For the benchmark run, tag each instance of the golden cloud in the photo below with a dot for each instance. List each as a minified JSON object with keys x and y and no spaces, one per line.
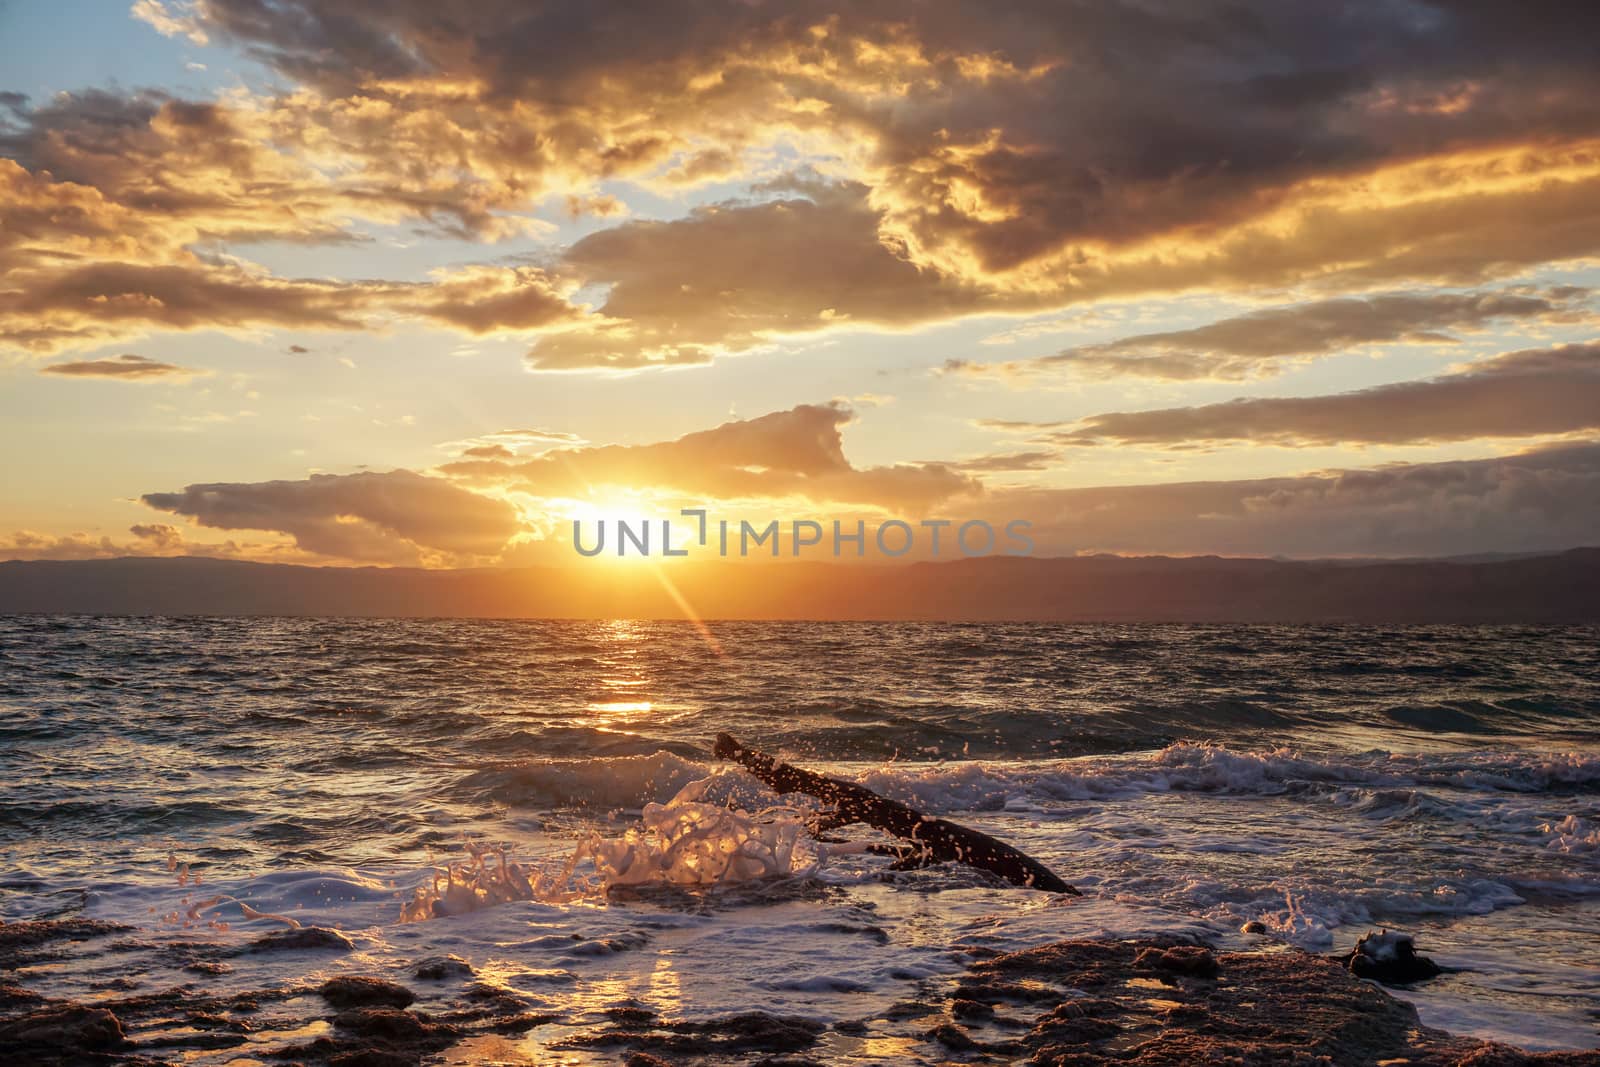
{"x":124,"y":368}
{"x":797,"y":454}
{"x":973,"y":164}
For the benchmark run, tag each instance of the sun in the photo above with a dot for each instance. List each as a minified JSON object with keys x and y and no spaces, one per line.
{"x":600,"y":519}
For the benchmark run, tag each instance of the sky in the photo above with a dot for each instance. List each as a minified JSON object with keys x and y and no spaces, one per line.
{"x":358,"y":283}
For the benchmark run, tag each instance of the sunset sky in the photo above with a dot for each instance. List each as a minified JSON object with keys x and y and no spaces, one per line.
{"x":349,"y":281}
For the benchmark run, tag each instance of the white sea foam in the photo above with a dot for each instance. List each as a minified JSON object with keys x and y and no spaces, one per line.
{"x":688,"y":841}
{"x":697,"y":838}
{"x":1573,"y":834}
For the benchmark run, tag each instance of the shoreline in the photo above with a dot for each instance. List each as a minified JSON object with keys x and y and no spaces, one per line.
{"x":1147,"y":1001}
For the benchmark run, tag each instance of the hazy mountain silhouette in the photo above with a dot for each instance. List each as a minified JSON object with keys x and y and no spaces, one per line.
{"x":1562,"y":587}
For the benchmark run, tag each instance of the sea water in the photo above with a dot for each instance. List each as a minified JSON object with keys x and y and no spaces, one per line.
{"x":539,"y":799}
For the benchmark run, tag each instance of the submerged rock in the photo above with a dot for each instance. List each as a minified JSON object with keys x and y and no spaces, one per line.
{"x":1195,"y":961}
{"x":302,"y":937}
{"x":60,"y":1032}
{"x":24,"y":943}
{"x":747,"y":1032}
{"x":14,"y":996}
{"x":438,"y":968}
{"x":1390,"y":958}
{"x":356,"y":990}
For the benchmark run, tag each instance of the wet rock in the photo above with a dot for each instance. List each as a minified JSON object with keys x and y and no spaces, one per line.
{"x":355,"y":990}
{"x":952,"y":1037}
{"x":1390,"y":958}
{"x":1074,"y":1023}
{"x":438,"y":968}
{"x":961,"y":1008}
{"x":909,"y":1009}
{"x":194,"y":1041}
{"x":62,"y":1031}
{"x":29,"y":934}
{"x":518,"y":1024}
{"x":751,"y":1031}
{"x":756,"y":1031}
{"x":25,"y":943}
{"x":1248,"y":1009}
{"x":375,"y":1037}
{"x":1254,"y":926}
{"x":1192,"y":961}
{"x":386,"y":1023}
{"x":497,"y":998}
{"x":372,"y":1057}
{"x":630,"y":1013}
{"x":644,"y":1059}
{"x":14,"y":996}
{"x":304,"y":937}
{"x":208,"y":968}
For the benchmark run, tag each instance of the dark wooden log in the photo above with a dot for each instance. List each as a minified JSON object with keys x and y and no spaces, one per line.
{"x":933,"y":840}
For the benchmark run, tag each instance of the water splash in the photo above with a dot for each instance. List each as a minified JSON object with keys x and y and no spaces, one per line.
{"x":687,"y":841}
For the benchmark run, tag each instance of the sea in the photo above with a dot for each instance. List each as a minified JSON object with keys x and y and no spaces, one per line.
{"x":1256,"y":786}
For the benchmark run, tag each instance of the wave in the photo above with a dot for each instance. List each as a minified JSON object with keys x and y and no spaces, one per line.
{"x":630,"y":782}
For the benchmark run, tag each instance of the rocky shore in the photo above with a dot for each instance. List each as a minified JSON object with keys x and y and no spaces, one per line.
{"x":1149,"y":1002}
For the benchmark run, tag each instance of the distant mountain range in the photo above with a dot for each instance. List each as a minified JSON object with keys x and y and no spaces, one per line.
{"x":1560,"y":587}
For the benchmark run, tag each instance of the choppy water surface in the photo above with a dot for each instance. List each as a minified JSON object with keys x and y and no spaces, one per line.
{"x":1319,"y":780}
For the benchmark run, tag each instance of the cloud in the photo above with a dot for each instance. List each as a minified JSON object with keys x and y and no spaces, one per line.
{"x":1260,"y":343}
{"x":981,"y":164}
{"x":735,"y":275}
{"x":1000,"y":142}
{"x":92,"y":303}
{"x":483,"y":300}
{"x":507,"y":444}
{"x":797,"y":453}
{"x":156,"y":539}
{"x":1518,"y":394}
{"x":176,"y":21}
{"x":393,"y":517}
{"x":123,"y":368}
{"x":158,"y":534}
{"x":1535,"y":501}
{"x":972,"y":164}
{"x":1010,"y":461}
{"x":689,"y":290}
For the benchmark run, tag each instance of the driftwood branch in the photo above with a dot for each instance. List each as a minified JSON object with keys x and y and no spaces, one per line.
{"x":932,"y":840}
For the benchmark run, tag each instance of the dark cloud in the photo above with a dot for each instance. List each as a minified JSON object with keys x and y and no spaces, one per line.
{"x":734,"y":275}
{"x":1541,"y":500}
{"x":1262,"y":342}
{"x":93,"y":302}
{"x":393,"y":517}
{"x":124,"y":368}
{"x":978,"y":162}
{"x":794,"y":453}
{"x":157,"y":534}
{"x":1011,"y":137}
{"x":1519,"y":394}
